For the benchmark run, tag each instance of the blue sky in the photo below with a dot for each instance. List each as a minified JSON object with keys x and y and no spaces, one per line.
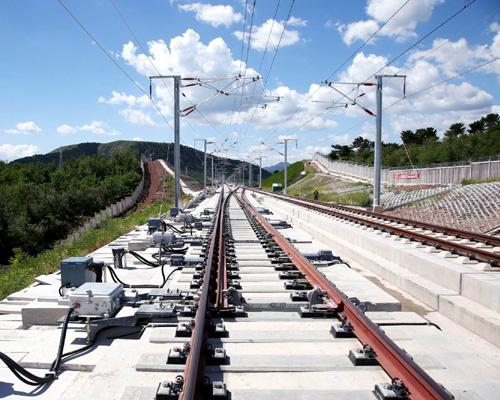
{"x":58,"y":88}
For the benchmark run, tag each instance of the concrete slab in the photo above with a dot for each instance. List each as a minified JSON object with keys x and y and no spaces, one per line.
{"x":483,"y":288}
{"x":475,"y":317}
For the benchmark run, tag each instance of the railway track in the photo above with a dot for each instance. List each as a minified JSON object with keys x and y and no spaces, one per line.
{"x":243,"y":310}
{"x":242,"y":241}
{"x":476,"y":246}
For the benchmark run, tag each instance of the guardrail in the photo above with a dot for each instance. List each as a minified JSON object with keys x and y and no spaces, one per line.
{"x":437,"y":174}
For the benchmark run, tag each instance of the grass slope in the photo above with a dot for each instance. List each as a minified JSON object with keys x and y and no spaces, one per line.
{"x":23,"y":268}
{"x":294,"y":171}
{"x":331,"y":189}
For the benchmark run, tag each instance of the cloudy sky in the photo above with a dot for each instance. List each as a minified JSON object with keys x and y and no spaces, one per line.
{"x":58,"y":87}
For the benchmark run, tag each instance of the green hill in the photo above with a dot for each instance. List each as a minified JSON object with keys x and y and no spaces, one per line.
{"x":294,"y":171}
{"x":191,"y":159}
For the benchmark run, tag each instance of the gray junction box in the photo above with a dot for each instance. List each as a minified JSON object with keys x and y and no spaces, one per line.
{"x":75,"y":271}
{"x":97,"y":299}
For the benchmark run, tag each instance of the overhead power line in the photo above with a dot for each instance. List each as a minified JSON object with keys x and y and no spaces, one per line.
{"x":113,"y":60}
{"x":248,"y":48}
{"x":390,"y":62}
{"x":417,"y":93}
{"x":361,"y":46}
{"x":266,"y":79}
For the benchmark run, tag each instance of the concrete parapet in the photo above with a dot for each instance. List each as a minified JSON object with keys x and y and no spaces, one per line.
{"x":473,"y":316}
{"x":444,"y":284}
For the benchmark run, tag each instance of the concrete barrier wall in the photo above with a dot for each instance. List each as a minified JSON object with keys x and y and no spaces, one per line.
{"x":434,"y":175}
{"x":111,"y":211}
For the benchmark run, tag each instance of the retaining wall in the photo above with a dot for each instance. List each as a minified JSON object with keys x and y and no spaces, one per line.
{"x":433,"y":175}
{"x":111,"y":211}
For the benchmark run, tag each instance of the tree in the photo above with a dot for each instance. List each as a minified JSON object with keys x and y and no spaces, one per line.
{"x":455,"y":130}
{"x":343,"y":151}
{"x":426,"y":134}
{"x":491,"y":120}
{"x":408,"y":137}
{"x":476,"y":126}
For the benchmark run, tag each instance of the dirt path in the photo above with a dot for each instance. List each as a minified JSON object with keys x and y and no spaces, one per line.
{"x":156,"y":172}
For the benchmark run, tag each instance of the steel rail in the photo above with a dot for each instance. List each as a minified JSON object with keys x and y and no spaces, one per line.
{"x":395,"y":361}
{"x":459,"y":233}
{"x":221,"y":302}
{"x":193,"y":362}
{"x":440,"y":243}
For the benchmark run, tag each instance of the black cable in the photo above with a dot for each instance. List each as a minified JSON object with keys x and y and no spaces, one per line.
{"x":410,"y":324}
{"x":27,"y":377}
{"x":141,"y":330}
{"x":143,"y":260}
{"x":62,"y":339}
{"x":76,"y":352}
{"x":163,"y":274}
{"x":21,"y":373}
{"x":169,"y":275}
{"x":115,"y":279}
{"x":175,"y":229}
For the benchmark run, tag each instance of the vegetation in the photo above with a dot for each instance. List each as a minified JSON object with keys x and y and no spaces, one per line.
{"x":459,"y":143}
{"x":42,"y":203}
{"x":475,"y":181}
{"x":24,"y":268}
{"x":358,"y":198}
{"x":293,"y":173}
{"x":191,"y":159}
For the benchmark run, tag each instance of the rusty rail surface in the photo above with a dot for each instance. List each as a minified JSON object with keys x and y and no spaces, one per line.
{"x":395,"y":361}
{"x":343,"y":212}
{"x":194,"y":362}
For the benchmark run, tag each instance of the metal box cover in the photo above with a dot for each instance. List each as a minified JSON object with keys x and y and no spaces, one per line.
{"x":104,"y":299}
{"x":107,"y":289}
{"x":75,"y":272}
{"x":77,"y":260}
{"x":154,"y":222}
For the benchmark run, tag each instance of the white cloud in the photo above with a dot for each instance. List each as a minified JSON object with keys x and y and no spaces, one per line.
{"x":66,"y":129}
{"x":99,"y":128}
{"x":11,"y":152}
{"x":452,"y":57}
{"x":294,"y":21}
{"x":495,"y":109}
{"x":137,"y":117}
{"x":137,"y":139}
{"x":360,"y":30}
{"x":24,"y":128}
{"x":95,"y":127}
{"x":294,"y":112}
{"x":437,"y":106}
{"x":401,"y":27}
{"x":309,"y":151}
{"x":330,"y":24}
{"x":341,"y":139}
{"x":215,"y":15}
{"x":123,"y":98}
{"x":452,"y":97}
{"x":190,"y":57}
{"x":260,"y":34}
